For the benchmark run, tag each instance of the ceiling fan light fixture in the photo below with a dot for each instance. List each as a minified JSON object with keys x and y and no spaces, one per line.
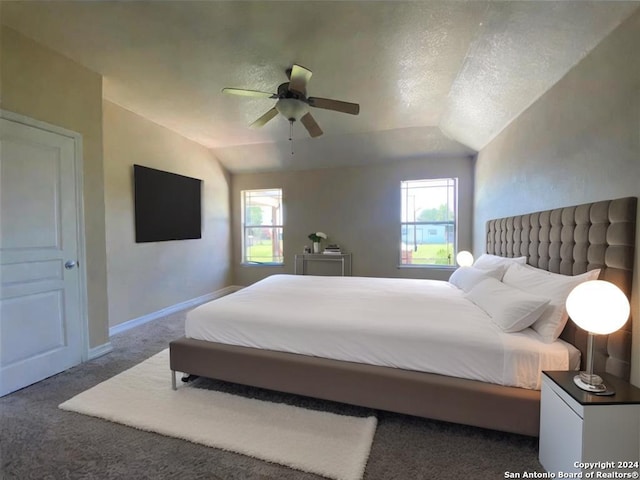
{"x":292,"y":109}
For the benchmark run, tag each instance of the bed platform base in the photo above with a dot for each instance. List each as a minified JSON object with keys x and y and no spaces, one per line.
{"x":421,"y":394}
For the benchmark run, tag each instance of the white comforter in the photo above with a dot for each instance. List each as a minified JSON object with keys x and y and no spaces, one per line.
{"x":423,"y":325}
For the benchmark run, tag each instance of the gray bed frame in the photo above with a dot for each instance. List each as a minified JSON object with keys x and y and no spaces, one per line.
{"x":568,"y":240}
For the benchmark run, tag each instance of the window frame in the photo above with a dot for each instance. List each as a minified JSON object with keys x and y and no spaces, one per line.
{"x":244,"y":227}
{"x":404,"y":224}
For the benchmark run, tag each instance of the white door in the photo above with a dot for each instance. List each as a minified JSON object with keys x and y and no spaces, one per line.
{"x":41,"y":326}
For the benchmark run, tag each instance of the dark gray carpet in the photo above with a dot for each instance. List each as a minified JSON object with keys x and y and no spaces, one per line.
{"x":39,"y":441}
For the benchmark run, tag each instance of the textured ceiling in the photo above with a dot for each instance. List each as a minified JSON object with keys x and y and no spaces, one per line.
{"x":432,"y":78}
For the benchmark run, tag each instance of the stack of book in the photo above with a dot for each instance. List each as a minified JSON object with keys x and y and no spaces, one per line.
{"x":332,"y":250}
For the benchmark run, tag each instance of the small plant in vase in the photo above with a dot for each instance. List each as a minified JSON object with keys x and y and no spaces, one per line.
{"x":316,"y":238}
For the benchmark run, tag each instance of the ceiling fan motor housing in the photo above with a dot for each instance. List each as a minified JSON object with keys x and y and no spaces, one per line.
{"x":284,"y":92}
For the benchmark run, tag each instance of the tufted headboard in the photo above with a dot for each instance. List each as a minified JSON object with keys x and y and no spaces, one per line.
{"x":573,"y":240}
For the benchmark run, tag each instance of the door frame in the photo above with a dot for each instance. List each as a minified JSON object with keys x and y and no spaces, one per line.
{"x":79,"y":200}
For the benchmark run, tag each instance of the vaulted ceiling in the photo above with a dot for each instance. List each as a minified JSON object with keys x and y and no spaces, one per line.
{"x":433,"y":78}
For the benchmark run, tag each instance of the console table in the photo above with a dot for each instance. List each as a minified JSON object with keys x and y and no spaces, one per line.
{"x":302,"y":259}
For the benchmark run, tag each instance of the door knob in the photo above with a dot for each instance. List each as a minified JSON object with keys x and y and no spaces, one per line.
{"x":70,"y":264}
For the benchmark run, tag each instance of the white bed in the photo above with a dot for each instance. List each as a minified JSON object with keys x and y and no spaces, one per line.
{"x":419,"y":325}
{"x":569,"y":241}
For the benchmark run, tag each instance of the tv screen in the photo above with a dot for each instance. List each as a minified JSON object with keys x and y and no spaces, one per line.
{"x":167,"y":205}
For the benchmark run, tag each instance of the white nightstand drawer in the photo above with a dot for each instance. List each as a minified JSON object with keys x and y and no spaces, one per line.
{"x":560,"y":432}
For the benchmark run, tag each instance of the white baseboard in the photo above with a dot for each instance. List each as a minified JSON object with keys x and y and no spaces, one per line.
{"x":194,"y":302}
{"x":100,"y":350}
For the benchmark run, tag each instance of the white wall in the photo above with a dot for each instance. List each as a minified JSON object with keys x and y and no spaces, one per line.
{"x":578,"y":143}
{"x":146,"y":277}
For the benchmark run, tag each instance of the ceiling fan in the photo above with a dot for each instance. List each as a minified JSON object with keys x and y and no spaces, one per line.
{"x":293,"y":102}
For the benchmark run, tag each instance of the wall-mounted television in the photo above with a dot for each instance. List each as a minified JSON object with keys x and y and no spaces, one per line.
{"x":167,"y":205}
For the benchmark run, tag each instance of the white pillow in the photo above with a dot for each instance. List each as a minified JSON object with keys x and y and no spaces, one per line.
{"x":510,"y":309}
{"x":465,"y":278}
{"x":487,"y":261}
{"x":554,"y":286}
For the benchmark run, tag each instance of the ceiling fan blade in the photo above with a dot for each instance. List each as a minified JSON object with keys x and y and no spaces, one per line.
{"x":300,"y":76}
{"x":264,"y":118}
{"x":248,"y":93}
{"x":336,"y":105}
{"x":310,"y":124}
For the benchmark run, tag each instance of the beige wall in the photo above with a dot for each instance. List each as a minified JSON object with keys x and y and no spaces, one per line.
{"x":147,"y":277}
{"x":357,"y":207}
{"x":41,"y":84}
{"x":578,"y":143}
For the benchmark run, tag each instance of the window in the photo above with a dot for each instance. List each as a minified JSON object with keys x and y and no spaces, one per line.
{"x":428,"y":223}
{"x":262,"y":226}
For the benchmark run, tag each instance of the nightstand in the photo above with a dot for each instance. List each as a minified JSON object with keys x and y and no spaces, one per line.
{"x":577,"y":428}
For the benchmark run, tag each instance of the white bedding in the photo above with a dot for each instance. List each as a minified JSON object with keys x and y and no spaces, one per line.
{"x":424,"y":325}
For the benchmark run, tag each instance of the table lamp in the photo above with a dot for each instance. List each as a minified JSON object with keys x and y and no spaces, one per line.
{"x":464,"y":258}
{"x":600,"y":308}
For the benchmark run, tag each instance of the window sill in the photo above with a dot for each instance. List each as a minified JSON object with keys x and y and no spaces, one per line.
{"x":261,"y":264}
{"x":430,"y":267}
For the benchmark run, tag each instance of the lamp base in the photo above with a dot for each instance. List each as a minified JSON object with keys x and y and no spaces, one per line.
{"x":592,"y":383}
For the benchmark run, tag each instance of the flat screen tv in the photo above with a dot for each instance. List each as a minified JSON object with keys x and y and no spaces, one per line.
{"x":167,"y":205}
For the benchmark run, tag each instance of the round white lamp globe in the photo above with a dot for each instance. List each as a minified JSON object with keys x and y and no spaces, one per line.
{"x":598,"y":306}
{"x":464,"y":258}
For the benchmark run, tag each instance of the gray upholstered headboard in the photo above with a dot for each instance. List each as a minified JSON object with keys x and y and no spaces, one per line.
{"x":573,"y":240}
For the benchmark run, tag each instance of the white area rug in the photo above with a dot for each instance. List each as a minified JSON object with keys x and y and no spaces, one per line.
{"x":335,"y":446}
